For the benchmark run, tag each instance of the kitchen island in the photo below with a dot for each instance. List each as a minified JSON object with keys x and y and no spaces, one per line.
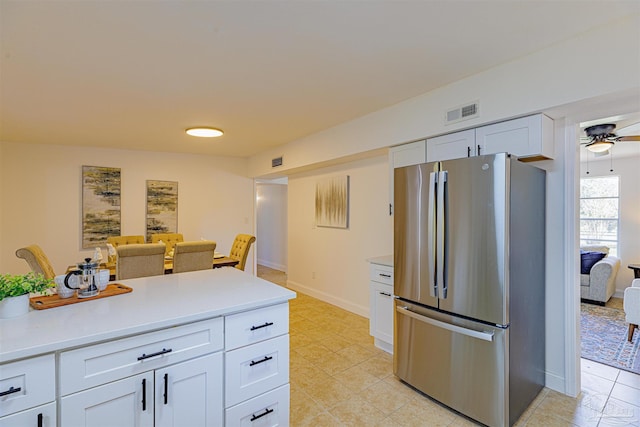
{"x":199,"y":348}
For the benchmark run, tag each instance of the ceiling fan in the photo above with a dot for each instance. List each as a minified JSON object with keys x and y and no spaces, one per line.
{"x":600,"y":138}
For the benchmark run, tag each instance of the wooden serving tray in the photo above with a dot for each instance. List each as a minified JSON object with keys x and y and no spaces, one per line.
{"x":51,"y":301}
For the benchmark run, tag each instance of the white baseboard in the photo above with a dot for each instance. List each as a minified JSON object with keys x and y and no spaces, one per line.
{"x":618,"y":293}
{"x":339,"y":302}
{"x":275,"y":266}
{"x":554,"y":382}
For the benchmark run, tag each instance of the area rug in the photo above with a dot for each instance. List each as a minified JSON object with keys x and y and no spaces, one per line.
{"x":604,"y":338}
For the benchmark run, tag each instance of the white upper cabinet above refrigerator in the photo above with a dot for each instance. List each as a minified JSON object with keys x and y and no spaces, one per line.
{"x":410,"y":154}
{"x":528,"y":138}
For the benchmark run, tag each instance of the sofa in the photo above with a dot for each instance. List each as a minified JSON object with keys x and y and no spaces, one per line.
{"x":599,"y":284}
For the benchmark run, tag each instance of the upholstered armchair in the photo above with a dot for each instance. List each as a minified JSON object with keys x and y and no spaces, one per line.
{"x":240,"y":249}
{"x":139,"y":260}
{"x":631,"y":304}
{"x":125,"y":240}
{"x":169,"y":239}
{"x":191,"y":256}
{"x":599,"y":284}
{"x":37,"y":260}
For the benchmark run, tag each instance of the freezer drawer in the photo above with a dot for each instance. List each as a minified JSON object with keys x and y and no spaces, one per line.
{"x":461,"y":363}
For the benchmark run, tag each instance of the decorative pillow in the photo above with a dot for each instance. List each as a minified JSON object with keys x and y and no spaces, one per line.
{"x":588,"y":259}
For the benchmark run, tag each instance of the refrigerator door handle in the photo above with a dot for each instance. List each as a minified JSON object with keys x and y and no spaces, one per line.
{"x":431,"y":236}
{"x":441,"y":229}
{"x":482,"y":335}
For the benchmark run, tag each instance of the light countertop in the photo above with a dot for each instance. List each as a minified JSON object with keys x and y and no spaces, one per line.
{"x":156,"y":303}
{"x":382,"y":260}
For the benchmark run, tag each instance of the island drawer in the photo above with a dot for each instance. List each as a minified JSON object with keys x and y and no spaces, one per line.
{"x":256,"y":369}
{"x":41,"y":416}
{"x":256,"y":325}
{"x":269,"y":409}
{"x":27,"y":383}
{"x":381,"y":273}
{"x":98,"y":364}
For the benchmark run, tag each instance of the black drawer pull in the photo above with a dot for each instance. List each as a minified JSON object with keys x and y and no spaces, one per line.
{"x":266,"y":412}
{"x":253,"y":328}
{"x":166,"y":388}
{"x":386,"y":294}
{"x":163,"y":351}
{"x":388,"y":276}
{"x":10,"y":391}
{"x":266,"y":359}
{"x":40,"y":420}
{"x":144,"y":394}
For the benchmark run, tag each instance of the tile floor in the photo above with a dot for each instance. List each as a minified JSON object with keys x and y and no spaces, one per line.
{"x":339,"y":378}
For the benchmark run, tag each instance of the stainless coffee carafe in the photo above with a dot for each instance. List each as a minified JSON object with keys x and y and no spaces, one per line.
{"x":87,"y":282}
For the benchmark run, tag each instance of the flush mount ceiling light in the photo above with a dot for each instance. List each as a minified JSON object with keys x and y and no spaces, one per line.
{"x":204,"y":132}
{"x":599,"y":146}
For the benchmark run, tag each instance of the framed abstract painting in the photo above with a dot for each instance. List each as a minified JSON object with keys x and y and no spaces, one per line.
{"x":100,"y":205}
{"x":162,"y":207}
{"x":332,"y":202}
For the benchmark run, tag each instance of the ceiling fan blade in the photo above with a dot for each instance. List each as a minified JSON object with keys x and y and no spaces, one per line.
{"x":630,"y":138}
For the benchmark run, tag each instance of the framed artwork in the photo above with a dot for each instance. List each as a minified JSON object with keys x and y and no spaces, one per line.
{"x":100,"y":205}
{"x":162,"y":207}
{"x":332,"y":202}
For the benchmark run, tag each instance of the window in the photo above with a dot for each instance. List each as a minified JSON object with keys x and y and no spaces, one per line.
{"x":599,"y":212}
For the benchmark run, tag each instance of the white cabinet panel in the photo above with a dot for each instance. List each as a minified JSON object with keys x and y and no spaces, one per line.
{"x":40,"y":416}
{"x":256,"y":325}
{"x":451,"y":146}
{"x":123,"y":403}
{"x":27,"y":383}
{"x":268,"y":410}
{"x":255,"y":369}
{"x":413,"y":153}
{"x":381,"y":306}
{"x":190,"y":393}
{"x":525,"y":137}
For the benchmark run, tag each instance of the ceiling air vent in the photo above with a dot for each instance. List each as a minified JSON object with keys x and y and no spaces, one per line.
{"x":276,"y":162}
{"x":463,"y":112}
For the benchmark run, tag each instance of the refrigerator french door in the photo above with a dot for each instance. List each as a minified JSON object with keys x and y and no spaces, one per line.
{"x":455,"y":266}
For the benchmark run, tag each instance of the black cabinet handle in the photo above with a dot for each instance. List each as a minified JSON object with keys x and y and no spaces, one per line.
{"x":40,"y":420}
{"x":266,"y":358}
{"x":266,"y":412}
{"x":479,"y":149}
{"x":468,"y":151}
{"x":388,"y":276}
{"x":10,"y":391}
{"x":253,"y":328}
{"x":144,"y":394}
{"x":166,"y":388}
{"x":158,"y":353}
{"x":385,"y":294}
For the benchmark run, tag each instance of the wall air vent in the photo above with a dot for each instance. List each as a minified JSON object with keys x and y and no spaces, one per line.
{"x":276,"y":162}
{"x":462,"y":112}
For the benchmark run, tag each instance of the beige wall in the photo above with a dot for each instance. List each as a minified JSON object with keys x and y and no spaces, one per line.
{"x":41,"y":198}
{"x":628,"y":169}
{"x":330,"y":263}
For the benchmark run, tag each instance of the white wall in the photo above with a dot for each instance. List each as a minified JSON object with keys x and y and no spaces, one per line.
{"x":41,"y":198}
{"x":628,"y":168}
{"x":271,"y":229}
{"x":330,"y":263}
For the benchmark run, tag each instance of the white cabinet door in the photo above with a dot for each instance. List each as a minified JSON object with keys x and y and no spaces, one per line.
{"x":190,"y":393}
{"x":451,"y":146}
{"x":40,"y":416}
{"x":124,"y":403}
{"x":381,"y":322}
{"x":413,"y":153}
{"x":525,"y":137}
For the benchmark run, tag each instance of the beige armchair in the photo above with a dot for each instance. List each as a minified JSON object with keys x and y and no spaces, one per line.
{"x":190,"y":256}
{"x":139,"y":260}
{"x":169,"y":239}
{"x":240,"y":249}
{"x":631,"y":305}
{"x":600,"y":284}
{"x":37,"y":260}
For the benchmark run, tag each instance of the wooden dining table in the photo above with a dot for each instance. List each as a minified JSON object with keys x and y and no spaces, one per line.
{"x":224,"y":261}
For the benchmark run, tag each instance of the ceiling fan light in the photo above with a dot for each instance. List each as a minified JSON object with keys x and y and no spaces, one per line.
{"x":599,"y":146}
{"x":204,"y":132}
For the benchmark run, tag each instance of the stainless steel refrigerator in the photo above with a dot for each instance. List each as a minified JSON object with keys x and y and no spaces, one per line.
{"x":469,"y":279}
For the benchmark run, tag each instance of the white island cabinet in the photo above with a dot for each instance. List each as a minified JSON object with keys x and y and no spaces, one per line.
{"x":381,"y":302}
{"x":153,"y":357}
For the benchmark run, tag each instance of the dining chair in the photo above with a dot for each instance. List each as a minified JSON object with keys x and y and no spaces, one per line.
{"x":125,"y":240}
{"x":169,"y":239}
{"x":139,"y":260}
{"x":37,"y":260}
{"x":191,"y":256}
{"x":240,"y":249}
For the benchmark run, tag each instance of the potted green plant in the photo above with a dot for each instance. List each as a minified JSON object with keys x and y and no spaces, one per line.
{"x":15,"y":290}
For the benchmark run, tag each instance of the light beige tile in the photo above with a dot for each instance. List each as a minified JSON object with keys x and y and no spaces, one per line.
{"x":329,"y":392}
{"x":307,"y":376}
{"x":356,"y":353}
{"x":541,"y":418}
{"x":584,"y":411}
{"x":313,"y":351}
{"x":333,"y":363}
{"x":324,"y":419}
{"x":423,"y":412}
{"x":383,"y":396}
{"x":625,"y":393}
{"x":335,"y":343}
{"x":356,"y":378}
{"x":356,"y":412}
{"x":599,"y":369}
{"x":378,"y":366}
{"x":303,"y":409}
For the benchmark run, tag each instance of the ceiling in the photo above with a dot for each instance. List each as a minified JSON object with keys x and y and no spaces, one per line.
{"x":135,"y":74}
